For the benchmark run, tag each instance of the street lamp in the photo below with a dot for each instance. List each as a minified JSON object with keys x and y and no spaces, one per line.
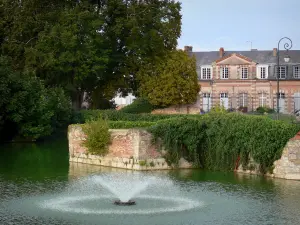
{"x":211,"y":82}
{"x":288,"y":45}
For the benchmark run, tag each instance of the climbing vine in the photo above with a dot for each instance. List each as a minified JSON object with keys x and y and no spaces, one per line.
{"x":215,"y":141}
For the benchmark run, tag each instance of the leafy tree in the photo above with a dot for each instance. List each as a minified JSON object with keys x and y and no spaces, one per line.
{"x":27,"y":106}
{"x":138,"y":32}
{"x":71,"y":53}
{"x":22,"y":21}
{"x":91,"y":45}
{"x":170,"y":81}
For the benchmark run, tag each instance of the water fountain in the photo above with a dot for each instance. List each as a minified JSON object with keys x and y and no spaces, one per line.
{"x":120,"y":189}
{"x":110,"y":195}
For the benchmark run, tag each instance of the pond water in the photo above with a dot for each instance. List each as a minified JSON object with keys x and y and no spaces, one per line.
{"x":39,"y":186}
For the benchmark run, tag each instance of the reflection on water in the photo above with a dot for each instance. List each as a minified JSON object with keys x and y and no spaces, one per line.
{"x":31,"y":173}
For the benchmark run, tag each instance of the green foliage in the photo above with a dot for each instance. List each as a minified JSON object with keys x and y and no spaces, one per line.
{"x":98,"y":137}
{"x":212,"y":141}
{"x":181,"y":137}
{"x":129,"y":124}
{"x":143,"y":163}
{"x":139,"y":33}
{"x":215,"y":141}
{"x":114,"y":115}
{"x":170,"y":81}
{"x":218,"y":109}
{"x":264,"y":110}
{"x":82,"y":46}
{"x":88,"y":45}
{"x":61,"y":106}
{"x":139,"y":105}
{"x":33,"y":110}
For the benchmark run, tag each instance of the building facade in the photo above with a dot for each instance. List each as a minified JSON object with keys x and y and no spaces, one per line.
{"x":248,"y":79}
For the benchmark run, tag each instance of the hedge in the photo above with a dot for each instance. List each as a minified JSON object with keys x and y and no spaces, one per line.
{"x":114,"y":115}
{"x":212,"y":141}
{"x":215,"y":141}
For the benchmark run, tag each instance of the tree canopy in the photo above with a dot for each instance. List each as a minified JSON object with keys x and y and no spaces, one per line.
{"x":172,"y":81}
{"x":30,"y":109}
{"x":57,"y":50}
{"x":88,"y":45}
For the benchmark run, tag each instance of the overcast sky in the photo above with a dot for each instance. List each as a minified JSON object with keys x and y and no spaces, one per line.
{"x":208,"y":25}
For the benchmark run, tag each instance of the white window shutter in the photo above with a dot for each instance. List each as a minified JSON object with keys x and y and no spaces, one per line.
{"x":258,"y":72}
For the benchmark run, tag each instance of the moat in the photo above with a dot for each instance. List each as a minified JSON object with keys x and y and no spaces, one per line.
{"x":38,"y":185}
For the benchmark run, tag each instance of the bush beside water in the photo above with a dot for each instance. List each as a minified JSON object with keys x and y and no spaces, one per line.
{"x":212,"y":141}
{"x":98,"y":137}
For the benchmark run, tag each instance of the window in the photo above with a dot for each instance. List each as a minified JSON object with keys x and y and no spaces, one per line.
{"x":206,"y":102}
{"x":296,"y":71}
{"x":281,"y":95}
{"x":224,"y":95}
{"x":225,"y":73}
{"x":281,"y":71}
{"x":224,"y":100}
{"x":206,"y":73}
{"x":244,"y":73}
{"x":262,"y":99}
{"x":243,"y":99}
{"x":262,"y":72}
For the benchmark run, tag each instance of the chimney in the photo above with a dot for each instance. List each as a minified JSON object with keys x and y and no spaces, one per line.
{"x":188,"y":48}
{"x":221,"y":52}
{"x":274,"y":52}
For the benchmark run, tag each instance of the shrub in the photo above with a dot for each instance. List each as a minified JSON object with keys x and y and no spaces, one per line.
{"x":114,"y":115}
{"x":264,"y":110}
{"x":218,"y":109}
{"x":28,"y":109}
{"x":243,"y":109}
{"x":214,"y":141}
{"x":129,"y":124}
{"x":181,"y":138}
{"x":98,"y":137}
{"x":138,"y":106}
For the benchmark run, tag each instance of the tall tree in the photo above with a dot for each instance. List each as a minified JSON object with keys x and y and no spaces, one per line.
{"x":71,"y":53}
{"x":88,"y":45}
{"x":138,"y":33}
{"x":170,"y":81}
{"x":27,"y":108}
{"x":22,"y":21}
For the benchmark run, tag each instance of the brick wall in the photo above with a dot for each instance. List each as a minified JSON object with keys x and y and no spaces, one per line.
{"x":184,"y":109}
{"x":129,"y":149}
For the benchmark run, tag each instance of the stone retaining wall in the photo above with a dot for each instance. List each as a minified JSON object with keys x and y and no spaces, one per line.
{"x":287,"y":167}
{"x":129,"y":149}
{"x":183,"y":109}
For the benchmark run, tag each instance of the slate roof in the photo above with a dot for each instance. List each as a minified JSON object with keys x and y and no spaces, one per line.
{"x":261,"y":57}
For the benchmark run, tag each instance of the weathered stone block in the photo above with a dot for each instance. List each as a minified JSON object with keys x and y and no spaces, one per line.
{"x":127,"y":147}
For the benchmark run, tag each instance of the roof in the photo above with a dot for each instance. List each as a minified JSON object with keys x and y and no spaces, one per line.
{"x":261,"y":57}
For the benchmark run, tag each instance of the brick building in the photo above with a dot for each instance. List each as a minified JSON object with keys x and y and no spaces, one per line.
{"x":248,"y":79}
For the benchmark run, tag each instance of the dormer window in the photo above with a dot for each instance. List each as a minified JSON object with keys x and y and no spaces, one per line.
{"x":206,"y":73}
{"x":224,"y":73}
{"x":244,"y":73}
{"x":281,"y":72}
{"x":262,"y":72}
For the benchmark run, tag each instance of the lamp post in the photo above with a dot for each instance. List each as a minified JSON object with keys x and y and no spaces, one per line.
{"x":288,"y":45}
{"x":211,"y":82}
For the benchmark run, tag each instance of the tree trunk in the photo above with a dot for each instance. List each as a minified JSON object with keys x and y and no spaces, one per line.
{"x":77,"y":98}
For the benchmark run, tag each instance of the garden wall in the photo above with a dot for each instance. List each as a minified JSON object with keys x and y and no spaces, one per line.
{"x":287,"y":167}
{"x":183,"y":109}
{"x":129,"y":149}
